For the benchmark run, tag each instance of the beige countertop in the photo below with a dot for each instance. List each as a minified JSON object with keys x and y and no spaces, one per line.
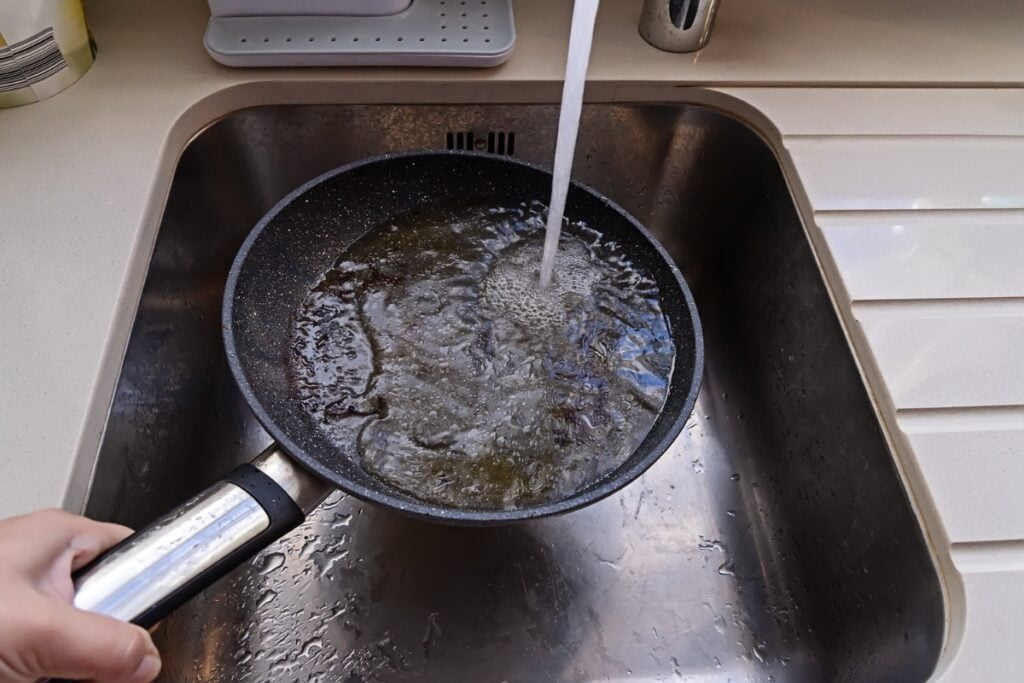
{"x":904,"y":123}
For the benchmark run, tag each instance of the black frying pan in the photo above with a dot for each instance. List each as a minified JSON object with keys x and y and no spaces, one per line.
{"x":160,"y":567}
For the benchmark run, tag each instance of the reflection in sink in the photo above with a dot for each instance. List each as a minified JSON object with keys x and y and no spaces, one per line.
{"x":772,"y":542}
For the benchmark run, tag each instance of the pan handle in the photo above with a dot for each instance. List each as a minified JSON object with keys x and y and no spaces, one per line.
{"x":153,"y":571}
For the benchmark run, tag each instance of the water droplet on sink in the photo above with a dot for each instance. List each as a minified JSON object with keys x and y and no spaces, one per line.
{"x":709,"y":545}
{"x":735,"y":476}
{"x":309,"y":547}
{"x":697,"y":466}
{"x":311,"y":646}
{"x":727,"y":568}
{"x":433,"y":632}
{"x":271,"y":562}
{"x":266,"y":597}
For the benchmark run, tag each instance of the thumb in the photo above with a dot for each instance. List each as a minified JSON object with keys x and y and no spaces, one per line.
{"x":77,"y":644}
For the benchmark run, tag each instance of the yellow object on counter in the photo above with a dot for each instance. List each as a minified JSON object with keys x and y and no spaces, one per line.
{"x":44,"y":47}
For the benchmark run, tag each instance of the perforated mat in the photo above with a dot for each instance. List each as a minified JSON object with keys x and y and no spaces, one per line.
{"x":430,"y":33}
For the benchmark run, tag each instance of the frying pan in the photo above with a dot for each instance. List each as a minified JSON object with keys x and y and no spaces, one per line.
{"x":158,"y":568}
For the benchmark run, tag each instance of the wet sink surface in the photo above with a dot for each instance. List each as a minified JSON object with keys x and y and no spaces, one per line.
{"x":774,"y":541}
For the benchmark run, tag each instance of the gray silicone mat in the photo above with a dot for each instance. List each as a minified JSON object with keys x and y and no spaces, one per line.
{"x":430,"y":33}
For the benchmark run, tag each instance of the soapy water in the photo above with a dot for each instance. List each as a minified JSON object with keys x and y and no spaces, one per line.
{"x":463,"y":382}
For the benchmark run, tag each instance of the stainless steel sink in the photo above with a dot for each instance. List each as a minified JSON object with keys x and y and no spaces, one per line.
{"x":773,"y":542}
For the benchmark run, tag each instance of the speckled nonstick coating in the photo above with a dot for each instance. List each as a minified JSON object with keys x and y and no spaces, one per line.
{"x":304,"y":234}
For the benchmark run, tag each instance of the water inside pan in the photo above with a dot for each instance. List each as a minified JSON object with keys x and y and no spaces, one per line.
{"x":462,"y":382}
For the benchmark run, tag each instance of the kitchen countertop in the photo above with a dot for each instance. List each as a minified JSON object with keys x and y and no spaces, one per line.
{"x":902,"y":126}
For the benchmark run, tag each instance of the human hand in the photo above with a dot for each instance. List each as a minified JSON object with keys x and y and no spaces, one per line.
{"x":41,"y":634}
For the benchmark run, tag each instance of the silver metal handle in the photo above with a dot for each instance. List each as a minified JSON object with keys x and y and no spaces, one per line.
{"x":678,"y":25}
{"x":154,"y":570}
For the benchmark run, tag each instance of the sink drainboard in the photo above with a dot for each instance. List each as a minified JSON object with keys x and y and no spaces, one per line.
{"x":430,"y":33}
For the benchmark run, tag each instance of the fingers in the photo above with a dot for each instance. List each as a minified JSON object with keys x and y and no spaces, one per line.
{"x":66,"y":642}
{"x":93,"y":538}
{"x":52,"y":534}
{"x":43,"y":635}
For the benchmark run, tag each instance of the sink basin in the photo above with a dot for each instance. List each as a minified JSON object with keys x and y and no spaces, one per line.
{"x":774,"y":541}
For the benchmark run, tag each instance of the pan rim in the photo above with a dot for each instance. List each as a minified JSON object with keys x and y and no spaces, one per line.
{"x":607,"y":485}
